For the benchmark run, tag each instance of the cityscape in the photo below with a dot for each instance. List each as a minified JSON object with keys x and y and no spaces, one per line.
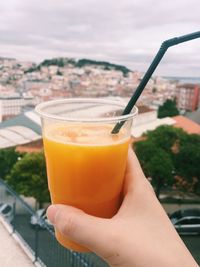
{"x":24,"y":84}
{"x":128,"y":184}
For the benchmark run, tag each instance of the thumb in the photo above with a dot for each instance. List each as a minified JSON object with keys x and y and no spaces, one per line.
{"x":89,"y":231}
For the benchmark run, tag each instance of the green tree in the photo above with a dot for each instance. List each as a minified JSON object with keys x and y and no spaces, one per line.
{"x":144,"y":150}
{"x":160,"y":168}
{"x":103,"y":64}
{"x":166,"y":136}
{"x":187,"y":161}
{"x":28,"y":177}
{"x":180,"y":154}
{"x":168,"y":109}
{"x":156,"y":163}
{"x":8,"y":157}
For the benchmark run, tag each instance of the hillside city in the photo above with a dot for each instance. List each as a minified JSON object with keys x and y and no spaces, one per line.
{"x":25,"y":84}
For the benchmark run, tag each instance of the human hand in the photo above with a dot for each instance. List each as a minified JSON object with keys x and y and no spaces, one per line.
{"x":139,"y":235}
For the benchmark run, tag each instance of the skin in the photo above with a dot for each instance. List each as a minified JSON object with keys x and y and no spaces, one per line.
{"x":139,"y":235}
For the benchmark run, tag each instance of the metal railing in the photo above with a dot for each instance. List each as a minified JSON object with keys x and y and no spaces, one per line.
{"x":41,"y":241}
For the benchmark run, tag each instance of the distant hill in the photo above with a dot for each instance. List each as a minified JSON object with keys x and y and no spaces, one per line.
{"x":61,"y":62}
{"x":105,"y":65}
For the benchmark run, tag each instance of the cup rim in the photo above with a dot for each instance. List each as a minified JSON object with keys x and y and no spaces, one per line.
{"x":47,"y":115}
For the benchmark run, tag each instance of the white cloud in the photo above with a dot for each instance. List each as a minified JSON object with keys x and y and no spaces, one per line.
{"x":125,"y":32}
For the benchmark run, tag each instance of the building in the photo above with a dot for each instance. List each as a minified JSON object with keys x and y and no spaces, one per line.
{"x":22,"y":129}
{"x":187,"y":96}
{"x":13,"y":106}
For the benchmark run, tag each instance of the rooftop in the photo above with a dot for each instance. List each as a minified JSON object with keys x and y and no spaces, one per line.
{"x":28,"y":119}
{"x":19,"y":130}
{"x":138,"y":131}
{"x":15,"y":135}
{"x":186,"y":124}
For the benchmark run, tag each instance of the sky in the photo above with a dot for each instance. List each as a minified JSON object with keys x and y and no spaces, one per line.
{"x":127,"y":32}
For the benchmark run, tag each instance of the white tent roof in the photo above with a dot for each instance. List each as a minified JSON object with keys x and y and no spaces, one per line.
{"x":17,"y":135}
{"x":141,"y":129}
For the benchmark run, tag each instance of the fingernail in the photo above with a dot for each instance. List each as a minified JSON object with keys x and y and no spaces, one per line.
{"x":51,"y":213}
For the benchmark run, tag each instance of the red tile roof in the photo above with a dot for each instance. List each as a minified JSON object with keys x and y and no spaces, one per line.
{"x":186,"y":124}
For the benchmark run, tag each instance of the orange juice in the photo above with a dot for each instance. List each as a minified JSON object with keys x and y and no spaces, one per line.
{"x":85,"y":166}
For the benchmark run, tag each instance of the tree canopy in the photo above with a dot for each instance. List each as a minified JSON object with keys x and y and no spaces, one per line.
{"x":61,"y":62}
{"x":106,"y":65}
{"x":28,"y":177}
{"x":156,"y":163}
{"x":168,"y":153}
{"x":187,"y":161}
{"x":8,"y":157}
{"x":166,"y":136}
{"x":168,"y":109}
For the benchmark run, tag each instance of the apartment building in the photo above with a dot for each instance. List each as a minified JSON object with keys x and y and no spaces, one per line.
{"x":12,"y":106}
{"x":187,"y":96}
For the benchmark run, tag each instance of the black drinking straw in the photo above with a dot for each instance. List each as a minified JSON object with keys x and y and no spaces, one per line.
{"x":165,"y":45}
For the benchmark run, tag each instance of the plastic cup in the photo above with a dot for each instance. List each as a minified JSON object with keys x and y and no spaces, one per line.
{"x":85,"y":162}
